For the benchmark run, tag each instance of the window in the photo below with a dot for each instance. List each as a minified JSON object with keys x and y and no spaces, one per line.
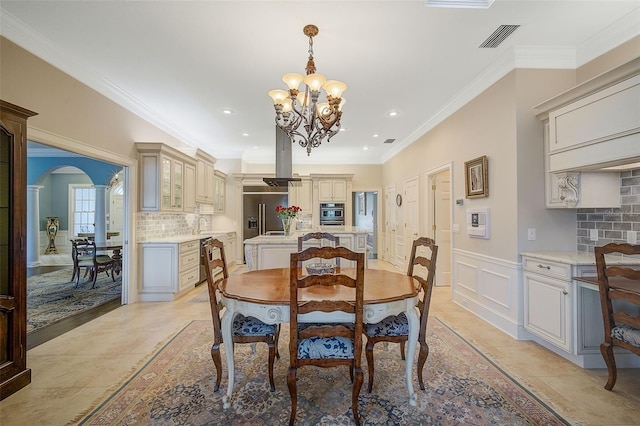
{"x":82,"y":203}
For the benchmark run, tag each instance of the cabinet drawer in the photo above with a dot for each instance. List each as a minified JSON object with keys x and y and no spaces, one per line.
{"x":545,"y":267}
{"x":190,"y":246}
{"x":189,"y":260}
{"x":188,"y":277}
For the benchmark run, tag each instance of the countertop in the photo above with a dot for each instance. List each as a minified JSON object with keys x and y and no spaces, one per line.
{"x":581,"y":258}
{"x":293,"y":238}
{"x":177,"y":239}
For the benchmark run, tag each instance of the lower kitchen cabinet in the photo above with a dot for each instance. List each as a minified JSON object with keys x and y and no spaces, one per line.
{"x":564,"y":314}
{"x":168,"y":269}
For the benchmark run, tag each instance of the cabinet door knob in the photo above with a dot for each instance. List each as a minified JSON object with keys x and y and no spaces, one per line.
{"x":544,"y":267}
{"x":565,"y":292}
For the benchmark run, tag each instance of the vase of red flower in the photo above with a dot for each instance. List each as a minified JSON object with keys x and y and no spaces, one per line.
{"x":288,"y":216}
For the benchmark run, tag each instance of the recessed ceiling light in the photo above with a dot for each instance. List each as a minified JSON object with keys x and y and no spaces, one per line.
{"x":365,"y":148}
{"x":227,"y":111}
{"x":256,"y":147}
{"x":245,"y":134}
{"x":375,"y":135}
{"x":393,"y":113}
{"x":342,"y":129}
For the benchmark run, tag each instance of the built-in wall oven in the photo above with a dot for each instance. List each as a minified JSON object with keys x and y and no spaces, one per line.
{"x":332,"y":214}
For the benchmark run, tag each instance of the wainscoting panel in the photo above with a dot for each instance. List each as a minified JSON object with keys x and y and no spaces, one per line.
{"x":490,"y":288}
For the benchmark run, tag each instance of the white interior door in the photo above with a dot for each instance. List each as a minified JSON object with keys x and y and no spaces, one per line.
{"x":442,"y":221}
{"x":411,"y":208}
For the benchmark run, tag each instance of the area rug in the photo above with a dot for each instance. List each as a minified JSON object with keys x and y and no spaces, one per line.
{"x":175,"y":387}
{"x":52,"y":297}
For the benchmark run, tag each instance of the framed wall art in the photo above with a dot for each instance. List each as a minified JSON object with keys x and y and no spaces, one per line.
{"x":477,"y":177}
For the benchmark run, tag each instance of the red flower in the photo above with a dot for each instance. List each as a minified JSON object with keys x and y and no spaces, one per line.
{"x":287,"y":212}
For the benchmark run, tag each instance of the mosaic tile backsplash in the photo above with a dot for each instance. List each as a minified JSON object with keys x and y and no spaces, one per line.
{"x":613,"y":225}
{"x":151,"y":226}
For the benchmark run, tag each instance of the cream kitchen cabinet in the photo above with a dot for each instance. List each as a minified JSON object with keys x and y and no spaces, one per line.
{"x":595,"y":124}
{"x":168,"y":269}
{"x":205,"y":178}
{"x":163,"y":186}
{"x":562,"y":313}
{"x":332,"y":190}
{"x":220,"y":183}
{"x":189,"y":182}
{"x":302,"y":196}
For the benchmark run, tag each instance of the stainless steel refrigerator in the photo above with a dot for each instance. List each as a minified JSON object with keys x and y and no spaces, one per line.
{"x":259,"y":209}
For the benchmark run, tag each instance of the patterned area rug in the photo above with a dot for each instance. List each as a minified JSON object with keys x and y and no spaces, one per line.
{"x":52,"y":297}
{"x":175,"y":387}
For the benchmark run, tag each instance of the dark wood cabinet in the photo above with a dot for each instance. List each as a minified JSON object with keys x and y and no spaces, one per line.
{"x":14,"y":373}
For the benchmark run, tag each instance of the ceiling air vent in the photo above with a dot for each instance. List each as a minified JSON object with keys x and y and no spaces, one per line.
{"x":498,"y":36}
{"x":389,"y":141}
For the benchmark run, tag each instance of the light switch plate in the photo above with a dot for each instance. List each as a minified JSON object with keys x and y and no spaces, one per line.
{"x":531,"y":234}
{"x":632,"y":237}
{"x":593,"y":234}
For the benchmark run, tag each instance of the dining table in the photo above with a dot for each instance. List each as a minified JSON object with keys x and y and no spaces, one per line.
{"x":264,"y":294}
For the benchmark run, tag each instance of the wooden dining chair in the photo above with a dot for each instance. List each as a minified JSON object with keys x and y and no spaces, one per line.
{"x":333,"y":239}
{"x":395,"y":328}
{"x":245,"y":329}
{"x":323,"y":344}
{"x":93,"y":262}
{"x":619,"y":289}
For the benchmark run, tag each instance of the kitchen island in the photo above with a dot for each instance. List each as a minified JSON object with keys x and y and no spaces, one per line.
{"x":272,"y":251}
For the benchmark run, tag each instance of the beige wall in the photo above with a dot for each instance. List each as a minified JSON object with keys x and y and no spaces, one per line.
{"x":70,"y":109}
{"x":500,"y":124}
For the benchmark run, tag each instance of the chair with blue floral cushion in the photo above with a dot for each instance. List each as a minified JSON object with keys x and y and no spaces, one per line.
{"x":333,"y":239}
{"x":619,"y":289}
{"x":326,"y":344}
{"x":395,"y":328}
{"x":245,"y":329}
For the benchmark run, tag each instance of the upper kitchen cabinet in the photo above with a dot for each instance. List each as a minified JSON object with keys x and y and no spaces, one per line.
{"x":167,"y":179}
{"x":205,"y":178}
{"x":302,"y":195}
{"x":332,"y":190}
{"x":219,"y":189}
{"x":588,"y":128}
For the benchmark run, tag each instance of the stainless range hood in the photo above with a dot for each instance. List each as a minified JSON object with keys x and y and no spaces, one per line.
{"x":283,"y":162}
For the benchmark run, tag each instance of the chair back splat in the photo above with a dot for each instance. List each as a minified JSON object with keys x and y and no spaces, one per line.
{"x":619,"y":289}
{"x":395,"y":328}
{"x":334,"y":240}
{"x":326,"y":319}
{"x":245,"y":329}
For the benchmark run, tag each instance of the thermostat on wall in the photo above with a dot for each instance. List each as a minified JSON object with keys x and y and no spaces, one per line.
{"x":478,"y":223}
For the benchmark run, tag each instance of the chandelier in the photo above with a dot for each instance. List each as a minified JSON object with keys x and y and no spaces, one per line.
{"x":298,"y":112}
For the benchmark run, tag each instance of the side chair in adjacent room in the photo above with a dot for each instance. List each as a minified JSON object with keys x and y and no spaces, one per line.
{"x":245,"y":329}
{"x":395,"y":328}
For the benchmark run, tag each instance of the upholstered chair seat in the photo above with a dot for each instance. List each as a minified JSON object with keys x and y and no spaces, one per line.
{"x":394,"y":325}
{"x":250,"y":326}
{"x":627,"y":334}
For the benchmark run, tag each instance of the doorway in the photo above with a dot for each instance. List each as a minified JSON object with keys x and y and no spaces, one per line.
{"x":439,"y":218}
{"x":55,"y":304}
{"x":365,"y":216}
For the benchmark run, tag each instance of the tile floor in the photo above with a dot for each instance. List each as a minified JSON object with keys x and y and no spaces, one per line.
{"x":72,"y":372}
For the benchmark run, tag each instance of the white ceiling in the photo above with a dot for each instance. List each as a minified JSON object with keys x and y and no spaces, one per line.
{"x":179,"y":64}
